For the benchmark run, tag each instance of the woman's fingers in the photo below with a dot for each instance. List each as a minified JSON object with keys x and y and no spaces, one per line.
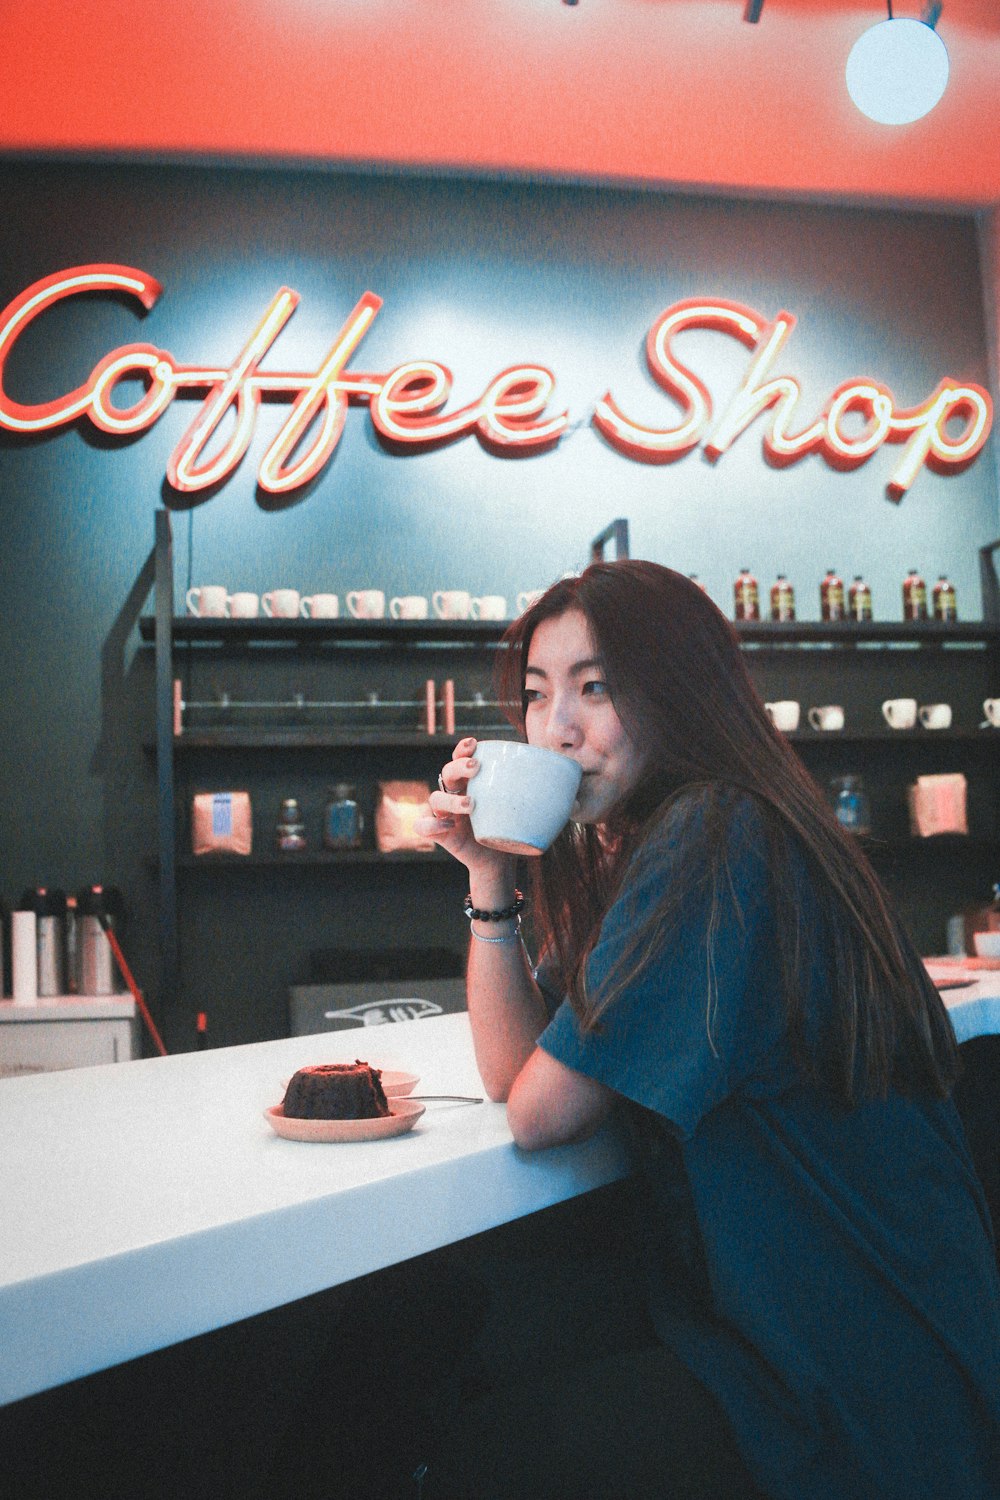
{"x":457,"y":773}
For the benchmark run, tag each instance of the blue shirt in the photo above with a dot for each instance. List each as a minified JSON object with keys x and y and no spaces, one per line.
{"x":829,"y":1275}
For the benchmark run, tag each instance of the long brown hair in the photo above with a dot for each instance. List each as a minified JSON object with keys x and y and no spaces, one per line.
{"x":681,"y":687}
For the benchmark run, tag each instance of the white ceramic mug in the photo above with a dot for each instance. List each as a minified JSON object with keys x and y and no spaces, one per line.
{"x":320,"y":606}
{"x":281,"y":604}
{"x":935,"y":715}
{"x":900,"y":713}
{"x":489,"y":607}
{"x":408,"y":607}
{"x":987,"y":944}
{"x":528,"y":597}
{"x":366,"y":604}
{"x":522,"y":795}
{"x":784,"y":715}
{"x":208,"y":601}
{"x":452,"y":604}
{"x":829,"y":716}
{"x":243,"y":606}
{"x":991,"y":708}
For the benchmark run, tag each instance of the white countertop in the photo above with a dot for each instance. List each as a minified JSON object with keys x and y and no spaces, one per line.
{"x":69,"y":1008}
{"x":147,"y":1202}
{"x":975,"y":1009}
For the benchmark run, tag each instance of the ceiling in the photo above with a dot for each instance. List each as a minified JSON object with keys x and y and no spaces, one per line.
{"x":675,"y":92}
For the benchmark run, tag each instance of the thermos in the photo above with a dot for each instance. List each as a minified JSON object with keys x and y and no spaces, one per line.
{"x":96,"y":972}
{"x":49,"y":907}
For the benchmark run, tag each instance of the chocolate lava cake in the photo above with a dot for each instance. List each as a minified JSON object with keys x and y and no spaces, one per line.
{"x":336,"y":1091}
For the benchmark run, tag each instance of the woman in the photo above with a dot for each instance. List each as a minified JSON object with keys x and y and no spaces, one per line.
{"x":720,"y":964}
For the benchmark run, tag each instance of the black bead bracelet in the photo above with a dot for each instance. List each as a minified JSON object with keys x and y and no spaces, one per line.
{"x":505,"y":914}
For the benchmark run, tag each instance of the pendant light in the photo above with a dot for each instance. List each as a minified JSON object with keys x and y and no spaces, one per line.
{"x":898,"y":69}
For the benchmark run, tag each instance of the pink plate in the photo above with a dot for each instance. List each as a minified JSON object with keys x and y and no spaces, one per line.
{"x":395,"y":1085}
{"x":404,"y":1115}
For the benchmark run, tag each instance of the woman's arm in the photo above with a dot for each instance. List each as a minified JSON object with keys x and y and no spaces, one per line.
{"x":550,"y":1104}
{"x":547,"y":1102}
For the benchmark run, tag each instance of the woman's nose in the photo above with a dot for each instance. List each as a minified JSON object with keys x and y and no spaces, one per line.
{"x":563,"y":728}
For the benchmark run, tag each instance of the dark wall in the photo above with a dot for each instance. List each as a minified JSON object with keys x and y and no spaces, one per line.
{"x":478,"y":275}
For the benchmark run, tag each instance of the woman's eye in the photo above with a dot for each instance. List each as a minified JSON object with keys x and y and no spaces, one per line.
{"x":532,"y":695}
{"x":595,"y":688}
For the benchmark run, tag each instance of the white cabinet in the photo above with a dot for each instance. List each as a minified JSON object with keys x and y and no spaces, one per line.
{"x":74,"y":1031}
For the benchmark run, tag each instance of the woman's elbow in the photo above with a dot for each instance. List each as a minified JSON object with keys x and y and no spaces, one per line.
{"x":528,"y":1129}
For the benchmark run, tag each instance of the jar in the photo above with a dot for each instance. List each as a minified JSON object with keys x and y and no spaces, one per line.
{"x":782,"y":599}
{"x":914,"y":596}
{"x":746,"y":596}
{"x":290,"y":831}
{"x":945,"y":602}
{"x":343,"y":823}
{"x":831,"y":596}
{"x":859,"y":601}
{"x":850,"y":803}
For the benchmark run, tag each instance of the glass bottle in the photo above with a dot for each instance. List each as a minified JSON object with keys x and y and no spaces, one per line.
{"x":343,"y":823}
{"x":850,"y":803}
{"x":914,"y":596}
{"x":831,"y":596}
{"x":859,"y":601}
{"x":746,"y":596}
{"x":782,"y":599}
{"x":290,"y":831}
{"x":945,"y":602}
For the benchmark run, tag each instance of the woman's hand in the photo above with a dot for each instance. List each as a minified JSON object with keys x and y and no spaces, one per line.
{"x":450,"y":826}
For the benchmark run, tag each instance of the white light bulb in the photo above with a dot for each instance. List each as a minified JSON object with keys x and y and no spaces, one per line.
{"x":897,"y":71}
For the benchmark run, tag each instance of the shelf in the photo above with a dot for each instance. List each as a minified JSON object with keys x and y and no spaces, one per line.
{"x":312,"y":858}
{"x":489,"y":632}
{"x":346,"y":632}
{"x":240,"y":738}
{"x":986,"y":739}
{"x":247,"y":738}
{"x":877,"y":633}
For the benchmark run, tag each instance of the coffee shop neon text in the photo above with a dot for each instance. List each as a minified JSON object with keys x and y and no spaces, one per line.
{"x":407,"y":403}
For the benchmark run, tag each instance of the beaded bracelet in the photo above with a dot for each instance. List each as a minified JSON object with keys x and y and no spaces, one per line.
{"x":504,"y":914}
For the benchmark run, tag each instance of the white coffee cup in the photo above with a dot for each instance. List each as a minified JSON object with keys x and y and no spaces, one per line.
{"x":784,"y":715}
{"x":208,"y":601}
{"x":900,"y":713}
{"x":987,"y":944}
{"x":320,"y":606}
{"x":408,"y":607}
{"x":452,"y":604}
{"x":366,"y":604}
{"x":527,"y":598}
{"x":243,"y":606}
{"x":991,"y":708}
{"x":489,"y":607}
{"x":522,"y":795}
{"x":829,"y":716}
{"x":935,"y":715}
{"x":281,"y":604}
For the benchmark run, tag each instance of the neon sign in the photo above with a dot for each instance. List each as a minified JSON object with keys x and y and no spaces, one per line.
{"x":407,"y":404}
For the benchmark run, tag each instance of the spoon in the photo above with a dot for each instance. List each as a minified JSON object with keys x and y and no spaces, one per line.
{"x":452,"y":1098}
